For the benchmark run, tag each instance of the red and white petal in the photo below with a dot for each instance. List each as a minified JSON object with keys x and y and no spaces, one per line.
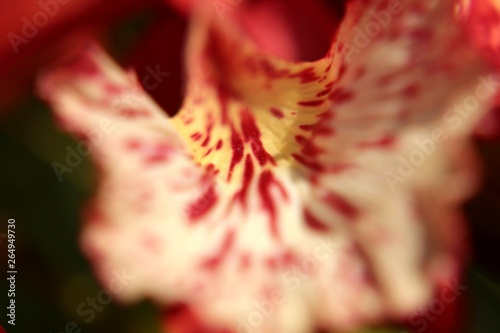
{"x":408,"y":231}
{"x":415,"y":72}
{"x":380,"y":166}
{"x":147,"y":173}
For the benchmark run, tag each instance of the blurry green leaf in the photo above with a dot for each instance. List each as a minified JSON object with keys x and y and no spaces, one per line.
{"x":486,"y":302}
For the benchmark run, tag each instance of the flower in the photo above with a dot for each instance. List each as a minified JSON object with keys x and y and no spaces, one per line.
{"x":285,"y":196}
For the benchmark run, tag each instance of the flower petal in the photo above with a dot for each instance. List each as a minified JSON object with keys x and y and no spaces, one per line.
{"x":146,"y":169}
{"x":381,"y":166}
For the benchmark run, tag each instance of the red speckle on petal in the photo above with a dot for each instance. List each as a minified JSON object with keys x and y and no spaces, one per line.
{"x":158,"y":153}
{"x":308,"y":148}
{"x":206,"y":141}
{"x":207,"y":153}
{"x":410,"y":91}
{"x":289,"y":258}
{"x":341,"y":205}
{"x":329,"y":85}
{"x":307,"y":128}
{"x":251,"y":134}
{"x":327,"y":69}
{"x":237,"y":147}
{"x":250,"y":130}
{"x":311,"y":165}
{"x":324,"y":131}
{"x":112,"y":89}
{"x":277,"y":113}
{"x":340,"y":95}
{"x":152,"y":152}
{"x":323,"y":92}
{"x":203,"y":204}
{"x":208,"y":132}
{"x":196,"y":136}
{"x":342,"y":71}
{"x":266,"y":182}
{"x":211,"y":170}
{"x":270,"y":71}
{"x":340,"y":167}
{"x":384,"y":142}
{"x":133,"y":113}
{"x":133,"y":144}
{"x":316,"y":102}
{"x":247,"y":178}
{"x":219,"y":145}
{"x":306,"y":75}
{"x":314,"y":223}
{"x":280,"y":260}
{"x":216,"y":260}
{"x":272,"y":263}
{"x":300,"y":140}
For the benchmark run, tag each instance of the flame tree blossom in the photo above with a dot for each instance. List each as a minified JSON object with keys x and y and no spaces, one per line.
{"x":264,"y":204}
